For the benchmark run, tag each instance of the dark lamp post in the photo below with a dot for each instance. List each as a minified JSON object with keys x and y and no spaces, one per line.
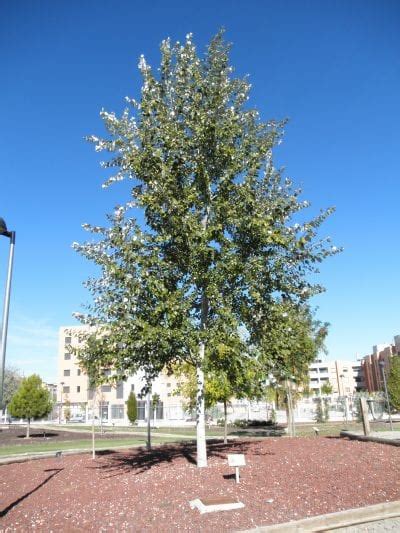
{"x":11,"y":235}
{"x":382,"y":365}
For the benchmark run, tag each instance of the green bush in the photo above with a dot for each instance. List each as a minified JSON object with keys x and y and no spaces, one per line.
{"x":131,"y":406}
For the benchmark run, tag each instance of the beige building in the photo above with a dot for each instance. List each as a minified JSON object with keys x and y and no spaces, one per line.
{"x":344,"y":377}
{"x":76,"y":399}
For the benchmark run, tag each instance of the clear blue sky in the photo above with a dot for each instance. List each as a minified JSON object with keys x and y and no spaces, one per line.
{"x":331,"y":67}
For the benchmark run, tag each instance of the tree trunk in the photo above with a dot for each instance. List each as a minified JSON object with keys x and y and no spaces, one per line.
{"x":93,"y":437}
{"x":148,"y":442}
{"x":289,"y":411}
{"x":225,"y":423}
{"x":28,"y":428}
{"x":200,"y":394}
{"x":200,"y":412}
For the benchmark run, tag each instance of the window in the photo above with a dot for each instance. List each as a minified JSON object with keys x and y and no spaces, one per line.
{"x":106,"y":388}
{"x":120,"y":390}
{"x":67,"y":356}
{"x":132,"y":387}
{"x":323,"y":370}
{"x":79,"y":372}
{"x":159,"y":411}
{"x":78,"y":388}
{"x":117,"y":411}
{"x":107,"y":372}
{"x":67,"y":340}
{"x":67,"y":372}
{"x":168,"y":385}
{"x":66,"y":390}
{"x":141,"y":410}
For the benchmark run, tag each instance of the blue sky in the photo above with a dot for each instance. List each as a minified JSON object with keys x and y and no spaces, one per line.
{"x":332,"y":68}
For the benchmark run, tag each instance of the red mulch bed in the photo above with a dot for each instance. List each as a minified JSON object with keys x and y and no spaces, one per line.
{"x":142,"y":491}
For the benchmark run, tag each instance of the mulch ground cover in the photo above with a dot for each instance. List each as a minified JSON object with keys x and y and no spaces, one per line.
{"x":135,"y":490}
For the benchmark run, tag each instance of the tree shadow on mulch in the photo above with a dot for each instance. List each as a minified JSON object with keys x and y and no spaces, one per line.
{"x":140,"y":460}
{"x":54,"y":472}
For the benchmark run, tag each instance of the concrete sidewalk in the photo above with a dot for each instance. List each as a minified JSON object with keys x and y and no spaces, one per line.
{"x":374,"y":518}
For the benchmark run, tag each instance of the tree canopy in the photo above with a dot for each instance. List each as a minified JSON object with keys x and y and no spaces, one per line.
{"x":223,"y":237}
{"x":31,"y":400}
{"x":12,"y":381}
{"x":393,"y":382}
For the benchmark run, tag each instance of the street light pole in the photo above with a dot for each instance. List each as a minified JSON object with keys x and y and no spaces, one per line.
{"x":11,"y":235}
{"x":382,"y":365}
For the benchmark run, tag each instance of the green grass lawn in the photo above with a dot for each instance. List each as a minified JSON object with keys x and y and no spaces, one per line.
{"x":80,"y":444}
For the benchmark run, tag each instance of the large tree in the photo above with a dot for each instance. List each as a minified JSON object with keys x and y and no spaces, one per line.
{"x":218,"y":243}
{"x":31,"y":400}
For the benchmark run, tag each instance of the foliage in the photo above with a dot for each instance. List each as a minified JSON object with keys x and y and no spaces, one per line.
{"x":31,"y":400}
{"x":327,"y":388}
{"x":155,"y":400}
{"x":393,"y":382}
{"x":326,"y":409}
{"x":12,"y":381}
{"x":131,"y":406}
{"x":220,"y":244}
{"x":67,"y":410}
{"x":319,"y":411}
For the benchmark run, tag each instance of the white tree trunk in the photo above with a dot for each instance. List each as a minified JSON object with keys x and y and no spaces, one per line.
{"x":200,"y":412}
{"x":225,"y":422}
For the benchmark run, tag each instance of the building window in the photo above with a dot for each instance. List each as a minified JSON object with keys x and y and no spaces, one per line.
{"x":132,"y":387}
{"x":67,"y":340}
{"x":159,"y":411}
{"x":67,"y":372}
{"x":141,"y":410}
{"x":66,"y":389}
{"x":78,"y":388}
{"x":106,"y":388}
{"x":120,"y":390}
{"x":168,"y":385}
{"x":117,"y":411}
{"x":79,"y":372}
{"x":67,"y":356}
{"x":107,"y":372}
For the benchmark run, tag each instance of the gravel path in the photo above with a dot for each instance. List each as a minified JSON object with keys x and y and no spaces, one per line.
{"x":285,"y":479}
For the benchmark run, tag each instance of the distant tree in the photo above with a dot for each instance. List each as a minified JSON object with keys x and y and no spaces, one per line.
{"x":131,"y":405}
{"x":12,"y":381}
{"x":31,"y":400}
{"x":327,"y":388}
{"x":67,"y":410}
{"x":319,"y":411}
{"x":226,"y":377}
{"x":393,"y":383}
{"x":290,"y":339}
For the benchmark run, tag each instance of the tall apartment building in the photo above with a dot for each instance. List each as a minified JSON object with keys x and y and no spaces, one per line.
{"x":378,"y":361}
{"x":108,"y":401}
{"x":344,"y":377}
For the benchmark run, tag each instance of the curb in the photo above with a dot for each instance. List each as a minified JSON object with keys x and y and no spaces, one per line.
{"x":365,"y":438}
{"x":331,"y":521}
